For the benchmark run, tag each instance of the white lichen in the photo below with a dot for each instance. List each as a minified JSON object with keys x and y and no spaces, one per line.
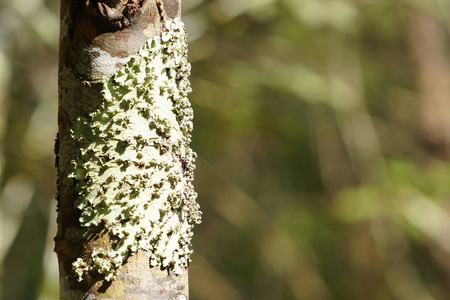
{"x":134,"y":175}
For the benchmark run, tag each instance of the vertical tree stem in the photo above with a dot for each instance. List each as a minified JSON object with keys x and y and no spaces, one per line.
{"x":126,"y":206}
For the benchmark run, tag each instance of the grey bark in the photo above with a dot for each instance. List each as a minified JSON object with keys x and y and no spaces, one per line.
{"x":96,"y":39}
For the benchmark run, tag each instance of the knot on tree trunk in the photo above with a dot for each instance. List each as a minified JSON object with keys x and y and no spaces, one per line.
{"x":113,"y":14}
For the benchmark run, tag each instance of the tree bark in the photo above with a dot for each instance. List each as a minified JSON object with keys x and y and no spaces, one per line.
{"x":429,"y":47}
{"x":126,"y":206}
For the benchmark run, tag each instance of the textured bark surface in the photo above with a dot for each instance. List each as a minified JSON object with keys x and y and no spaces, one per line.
{"x":135,"y":281}
{"x":97,"y":38}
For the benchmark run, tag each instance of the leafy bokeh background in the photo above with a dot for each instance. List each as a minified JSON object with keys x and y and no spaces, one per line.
{"x":323,"y":133}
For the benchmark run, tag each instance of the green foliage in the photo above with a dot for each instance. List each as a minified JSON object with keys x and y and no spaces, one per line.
{"x":315,"y":175}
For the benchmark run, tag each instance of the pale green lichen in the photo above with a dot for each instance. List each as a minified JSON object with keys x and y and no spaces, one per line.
{"x":135,"y":171}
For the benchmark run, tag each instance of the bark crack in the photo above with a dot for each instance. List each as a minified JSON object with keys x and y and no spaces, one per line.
{"x":160,"y":7}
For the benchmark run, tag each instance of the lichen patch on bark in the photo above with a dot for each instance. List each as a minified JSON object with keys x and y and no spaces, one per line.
{"x":135,"y":169}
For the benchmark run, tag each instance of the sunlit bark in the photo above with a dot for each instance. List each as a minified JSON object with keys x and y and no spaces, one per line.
{"x":126,"y":206}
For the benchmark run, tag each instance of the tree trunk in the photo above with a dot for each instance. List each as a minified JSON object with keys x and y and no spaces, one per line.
{"x":126,"y":205}
{"x":428,"y":43}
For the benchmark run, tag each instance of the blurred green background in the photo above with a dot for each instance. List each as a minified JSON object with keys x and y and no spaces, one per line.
{"x":323,"y":134}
